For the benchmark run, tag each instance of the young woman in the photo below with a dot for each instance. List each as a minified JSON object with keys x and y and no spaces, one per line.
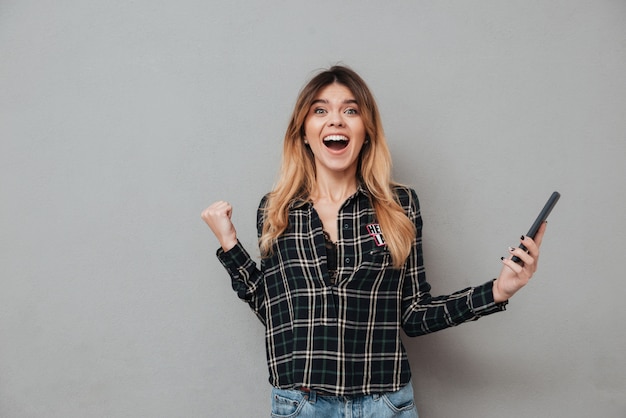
{"x":341,"y":270}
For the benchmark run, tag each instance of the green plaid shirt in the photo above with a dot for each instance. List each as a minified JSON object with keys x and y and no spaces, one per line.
{"x":344,"y":338}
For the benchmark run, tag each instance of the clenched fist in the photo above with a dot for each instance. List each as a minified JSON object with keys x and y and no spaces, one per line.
{"x":218,"y":218}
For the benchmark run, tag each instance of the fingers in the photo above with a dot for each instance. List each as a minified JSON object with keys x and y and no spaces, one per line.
{"x":512,"y":265}
{"x":531,"y":246}
{"x":219,"y":209}
{"x":514,"y":276}
{"x":528,"y":254}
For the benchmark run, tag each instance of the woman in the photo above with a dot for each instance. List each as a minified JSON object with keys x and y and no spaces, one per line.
{"x":341,"y":270}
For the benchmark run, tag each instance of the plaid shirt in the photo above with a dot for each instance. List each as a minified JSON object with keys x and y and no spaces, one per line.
{"x":344,"y":338}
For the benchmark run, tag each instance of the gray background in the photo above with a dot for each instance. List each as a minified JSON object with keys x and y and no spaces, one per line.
{"x":120,"y":121}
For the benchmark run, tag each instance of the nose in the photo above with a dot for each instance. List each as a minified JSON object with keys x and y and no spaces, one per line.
{"x":335,"y":119}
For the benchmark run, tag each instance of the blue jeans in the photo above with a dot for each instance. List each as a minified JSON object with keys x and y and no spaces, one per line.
{"x":295,"y":403}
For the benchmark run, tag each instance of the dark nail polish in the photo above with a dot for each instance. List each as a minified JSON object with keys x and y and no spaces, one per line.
{"x":522,"y":237}
{"x":502,"y":258}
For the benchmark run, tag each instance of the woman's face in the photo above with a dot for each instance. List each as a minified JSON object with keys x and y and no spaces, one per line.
{"x":335,"y":131}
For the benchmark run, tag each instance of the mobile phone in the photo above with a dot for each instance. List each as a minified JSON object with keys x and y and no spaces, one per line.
{"x":543,"y":215}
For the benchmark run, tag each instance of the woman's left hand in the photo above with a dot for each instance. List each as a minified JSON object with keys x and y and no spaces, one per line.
{"x":515,"y":276}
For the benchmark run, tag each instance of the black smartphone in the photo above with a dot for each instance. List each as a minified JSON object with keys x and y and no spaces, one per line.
{"x":543,"y":215}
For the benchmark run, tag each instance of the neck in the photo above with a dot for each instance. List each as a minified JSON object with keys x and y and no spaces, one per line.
{"x":334,"y":188}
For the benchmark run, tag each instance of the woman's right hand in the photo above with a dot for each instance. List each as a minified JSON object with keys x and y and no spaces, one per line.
{"x":218,"y":218}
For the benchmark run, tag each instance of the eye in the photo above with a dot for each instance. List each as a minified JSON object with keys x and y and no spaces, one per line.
{"x":351,"y":111}
{"x":319,"y":111}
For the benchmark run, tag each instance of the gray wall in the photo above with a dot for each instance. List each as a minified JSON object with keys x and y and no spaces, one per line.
{"x":120,"y":121}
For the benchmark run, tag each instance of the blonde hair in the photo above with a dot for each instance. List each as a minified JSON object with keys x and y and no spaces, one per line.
{"x":297,"y":173}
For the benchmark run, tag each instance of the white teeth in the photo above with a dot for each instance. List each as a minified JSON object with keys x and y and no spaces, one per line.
{"x":335,"y":138}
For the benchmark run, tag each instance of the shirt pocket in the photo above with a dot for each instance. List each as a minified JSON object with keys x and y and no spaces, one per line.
{"x":376,"y":258}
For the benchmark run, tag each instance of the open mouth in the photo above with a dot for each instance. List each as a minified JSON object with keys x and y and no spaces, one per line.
{"x":336,"y":142}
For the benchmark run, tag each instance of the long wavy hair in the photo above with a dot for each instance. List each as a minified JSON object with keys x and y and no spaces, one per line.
{"x":296,"y":178}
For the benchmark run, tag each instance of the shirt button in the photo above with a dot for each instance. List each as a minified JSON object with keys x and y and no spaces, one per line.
{"x":347,"y":260}
{"x":346,"y":226}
